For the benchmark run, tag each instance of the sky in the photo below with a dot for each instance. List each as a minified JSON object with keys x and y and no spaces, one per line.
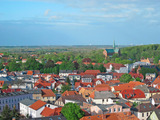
{"x":79,"y":22}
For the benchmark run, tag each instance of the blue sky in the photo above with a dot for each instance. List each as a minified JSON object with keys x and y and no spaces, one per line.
{"x":79,"y":22}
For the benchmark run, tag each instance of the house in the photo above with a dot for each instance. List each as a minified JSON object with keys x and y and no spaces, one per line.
{"x":65,"y":73}
{"x":68,"y":93}
{"x":112,"y":116}
{"x":24,"y":106}
{"x":92,"y":72}
{"x":85,"y":92}
{"x":102,"y":97}
{"x":48,"y":95}
{"x":144,"y":89}
{"x":156,"y":82}
{"x":72,"y":77}
{"x":115,"y":67}
{"x":51,"y":112}
{"x":57,"y":117}
{"x":102,"y":87}
{"x":150,"y":76}
{"x":136,"y":75}
{"x":105,"y":76}
{"x":58,"y":62}
{"x":143,"y":110}
{"x":36,"y":93}
{"x":117,"y":76}
{"x":42,"y":84}
{"x":132,"y":94}
{"x":72,"y":98}
{"x":155,"y":115}
{"x":155,"y":99}
{"x":111,"y":108}
{"x":24,"y":60}
{"x":110,"y":52}
{"x":36,"y":108}
{"x":148,"y":60}
{"x":3,"y":73}
{"x":153,"y":91}
{"x":12,"y":99}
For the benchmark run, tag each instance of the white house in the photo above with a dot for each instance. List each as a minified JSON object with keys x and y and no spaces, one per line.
{"x":104,"y":76}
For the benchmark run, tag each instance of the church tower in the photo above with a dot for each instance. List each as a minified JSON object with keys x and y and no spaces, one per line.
{"x":114,"y":46}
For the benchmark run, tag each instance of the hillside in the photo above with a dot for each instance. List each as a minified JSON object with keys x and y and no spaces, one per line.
{"x":137,"y":52}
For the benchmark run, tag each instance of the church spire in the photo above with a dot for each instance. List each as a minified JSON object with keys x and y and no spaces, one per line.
{"x":114,"y":44}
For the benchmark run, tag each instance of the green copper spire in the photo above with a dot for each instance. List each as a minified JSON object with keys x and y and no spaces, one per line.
{"x":114,"y":44}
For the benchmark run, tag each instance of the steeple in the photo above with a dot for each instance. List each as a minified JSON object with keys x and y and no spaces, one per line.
{"x":114,"y":44}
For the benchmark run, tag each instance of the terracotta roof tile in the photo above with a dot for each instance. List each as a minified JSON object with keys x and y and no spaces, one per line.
{"x":47,"y":93}
{"x":37,"y":105}
{"x":67,"y":93}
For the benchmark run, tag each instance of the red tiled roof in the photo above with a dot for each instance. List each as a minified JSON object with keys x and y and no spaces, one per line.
{"x":51,"y":112}
{"x":117,"y":75}
{"x":47,"y":93}
{"x":121,"y":87}
{"x":59,"y":62}
{"x":10,"y":90}
{"x":157,"y":80}
{"x":92,"y":71}
{"x":30,"y":72}
{"x":37,"y":105}
{"x":115,"y":65}
{"x":136,"y":75}
{"x":102,"y":87}
{"x":67,"y":93}
{"x":130,"y":93}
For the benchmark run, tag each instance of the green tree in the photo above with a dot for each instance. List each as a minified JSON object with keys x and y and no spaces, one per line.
{"x":65,"y":87}
{"x":72,"y":111}
{"x":54,"y":91}
{"x":49,"y":64}
{"x":5,"y":86}
{"x":5,"y":114}
{"x":14,"y":113}
{"x":138,"y":79}
{"x":126,"y":78}
{"x":68,"y":81}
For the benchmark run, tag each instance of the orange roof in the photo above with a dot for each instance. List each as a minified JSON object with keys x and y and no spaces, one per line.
{"x":123,"y":86}
{"x":51,"y":112}
{"x":157,"y":80}
{"x":59,"y":62}
{"x":47,"y":93}
{"x":67,"y":93}
{"x":30,"y":72}
{"x":1,"y":83}
{"x":92,"y":71}
{"x":112,"y":116}
{"x":37,"y":105}
{"x":92,"y":95}
{"x":116,"y":66}
{"x":102,"y":87}
{"x":136,"y":83}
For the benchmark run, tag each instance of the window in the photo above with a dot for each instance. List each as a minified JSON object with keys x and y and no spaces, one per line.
{"x":48,"y":105}
{"x":110,"y":110}
{"x":102,"y":100}
{"x":119,"y":109}
{"x":147,"y":113}
{"x":114,"y":109}
{"x":142,"y":114}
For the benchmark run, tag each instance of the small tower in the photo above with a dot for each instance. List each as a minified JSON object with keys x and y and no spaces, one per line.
{"x":114,"y":46}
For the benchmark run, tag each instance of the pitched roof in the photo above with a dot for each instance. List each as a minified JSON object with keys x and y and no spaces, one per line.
{"x":144,"y":107}
{"x":112,"y":116}
{"x":47,"y":93}
{"x":102,"y":87}
{"x":157,"y":80}
{"x":51,"y":112}
{"x":130,"y":93}
{"x":30,"y":72}
{"x":67,"y":93}
{"x":102,"y":95}
{"x":136,"y":75}
{"x":156,"y":98}
{"x":115,"y":65}
{"x":37,"y":105}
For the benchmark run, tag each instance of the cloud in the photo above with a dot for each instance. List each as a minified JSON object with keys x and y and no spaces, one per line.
{"x":47,"y":12}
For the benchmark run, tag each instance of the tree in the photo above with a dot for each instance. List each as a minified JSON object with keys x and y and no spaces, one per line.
{"x":138,"y":79}
{"x":126,"y":78}
{"x":49,"y":64}
{"x":65,"y":87}
{"x":68,"y":81}
{"x":72,"y":111}
{"x":14,"y":113}
{"x":5,"y":113}
{"x":4,"y":86}
{"x":54,"y":91}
